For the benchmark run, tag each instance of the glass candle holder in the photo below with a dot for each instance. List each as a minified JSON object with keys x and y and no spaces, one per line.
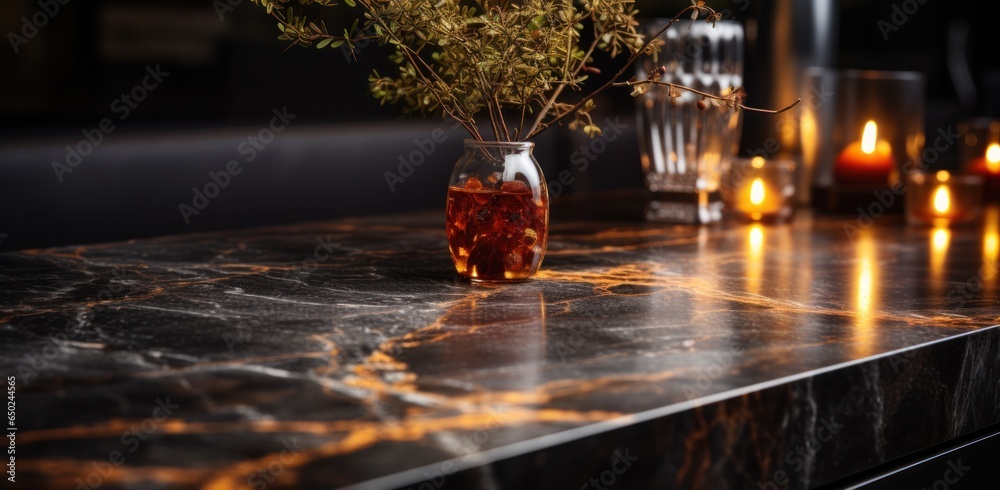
{"x":942,"y":199}
{"x":686,"y":151}
{"x":859,"y":131}
{"x":760,"y":190}
{"x":980,"y":153}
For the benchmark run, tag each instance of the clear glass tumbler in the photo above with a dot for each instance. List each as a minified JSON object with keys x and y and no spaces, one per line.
{"x":686,"y":151}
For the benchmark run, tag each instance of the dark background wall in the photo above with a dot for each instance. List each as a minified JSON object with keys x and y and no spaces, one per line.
{"x":227,"y":72}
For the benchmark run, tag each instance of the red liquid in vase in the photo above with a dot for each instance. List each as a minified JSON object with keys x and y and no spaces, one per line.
{"x":496,"y":235}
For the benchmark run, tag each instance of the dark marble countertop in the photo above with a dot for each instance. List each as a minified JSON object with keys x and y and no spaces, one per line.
{"x":643,"y":356}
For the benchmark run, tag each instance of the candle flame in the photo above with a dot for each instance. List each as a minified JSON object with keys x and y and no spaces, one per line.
{"x":942,"y":201}
{"x":993,"y":158}
{"x":943,"y":175}
{"x":757,"y":192}
{"x":869,"y":138}
{"x":758,"y":162}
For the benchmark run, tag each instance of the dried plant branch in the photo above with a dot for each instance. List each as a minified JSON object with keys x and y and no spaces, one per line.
{"x":459,"y":59}
{"x":733,"y":99}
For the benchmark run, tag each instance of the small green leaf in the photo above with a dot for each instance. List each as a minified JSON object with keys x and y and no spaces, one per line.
{"x":322,"y":44}
{"x":350,"y":3}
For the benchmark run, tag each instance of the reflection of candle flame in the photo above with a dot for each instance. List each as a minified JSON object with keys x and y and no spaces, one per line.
{"x":757,"y":162}
{"x":942,"y":200}
{"x":993,"y":158}
{"x":943,"y":175}
{"x":869,"y":137}
{"x":865,"y":293}
{"x":866,"y":265}
{"x":865,"y":286}
{"x":991,"y":247}
{"x":939,"y":253}
{"x":939,"y":241}
{"x":757,"y":192}
{"x":755,"y":242}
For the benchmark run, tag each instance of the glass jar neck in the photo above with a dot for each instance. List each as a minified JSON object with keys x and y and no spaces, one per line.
{"x":498,"y":151}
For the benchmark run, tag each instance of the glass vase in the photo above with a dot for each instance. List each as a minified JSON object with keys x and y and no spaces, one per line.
{"x":685,"y":150}
{"x":497,"y":212}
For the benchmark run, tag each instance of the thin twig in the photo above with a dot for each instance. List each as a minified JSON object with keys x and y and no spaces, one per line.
{"x":704,"y":94}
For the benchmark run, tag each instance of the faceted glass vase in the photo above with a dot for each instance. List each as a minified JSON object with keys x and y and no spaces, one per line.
{"x":497,"y":212}
{"x":685,"y":151}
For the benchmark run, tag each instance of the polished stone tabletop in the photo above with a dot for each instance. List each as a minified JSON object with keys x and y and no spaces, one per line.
{"x":346,"y":353}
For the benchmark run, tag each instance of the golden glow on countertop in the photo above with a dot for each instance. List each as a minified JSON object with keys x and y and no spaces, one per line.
{"x":940,"y":239}
{"x":866,"y":292}
{"x":991,"y":247}
{"x":755,"y":257}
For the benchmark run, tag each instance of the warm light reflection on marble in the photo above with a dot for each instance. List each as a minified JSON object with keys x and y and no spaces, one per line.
{"x":707,"y":271}
{"x":800,"y":265}
{"x":991,"y":248}
{"x":755,"y":257}
{"x":866,"y":291}
{"x":940,"y":238}
{"x":784,"y":246}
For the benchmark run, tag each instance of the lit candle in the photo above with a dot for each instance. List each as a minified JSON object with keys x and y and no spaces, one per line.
{"x":941,"y":199}
{"x":758,"y":197}
{"x":987,"y":165}
{"x":868,"y":161}
{"x":941,"y":202}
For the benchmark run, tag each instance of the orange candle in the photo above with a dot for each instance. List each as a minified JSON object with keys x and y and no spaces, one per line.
{"x":988,"y":165}
{"x":868,"y":161}
{"x":941,"y":199}
{"x":940,"y":205}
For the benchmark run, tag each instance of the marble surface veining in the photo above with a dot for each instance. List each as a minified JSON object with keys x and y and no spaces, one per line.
{"x":346,"y":353}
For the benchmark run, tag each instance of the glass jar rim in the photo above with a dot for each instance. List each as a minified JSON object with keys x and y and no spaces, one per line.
{"x":499,"y":144}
